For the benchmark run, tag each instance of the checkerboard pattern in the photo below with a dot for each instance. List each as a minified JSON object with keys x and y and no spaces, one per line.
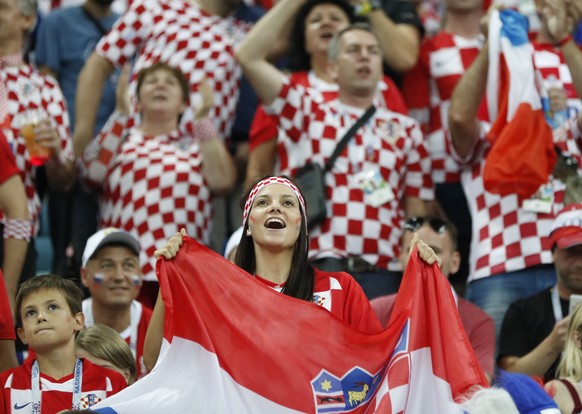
{"x":428,"y":88}
{"x":28,"y":89}
{"x":264,"y":128}
{"x":389,"y":143}
{"x":507,"y":238}
{"x":179,"y":33}
{"x":152,"y":187}
{"x":549,"y":61}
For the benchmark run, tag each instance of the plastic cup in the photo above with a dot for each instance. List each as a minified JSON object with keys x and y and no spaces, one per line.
{"x":37,"y":154}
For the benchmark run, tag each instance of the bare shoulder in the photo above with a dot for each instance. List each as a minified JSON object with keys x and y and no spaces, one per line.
{"x":558,"y":391}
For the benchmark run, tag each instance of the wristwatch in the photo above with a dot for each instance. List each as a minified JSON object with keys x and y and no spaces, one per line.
{"x":366,"y":7}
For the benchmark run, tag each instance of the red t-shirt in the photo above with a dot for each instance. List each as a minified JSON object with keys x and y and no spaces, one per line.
{"x":56,"y":395}
{"x":479,"y":327}
{"x":340,"y":294}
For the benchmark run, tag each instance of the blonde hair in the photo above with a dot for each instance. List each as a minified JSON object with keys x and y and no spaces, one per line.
{"x":571,"y":361}
{"x":103,"y":342}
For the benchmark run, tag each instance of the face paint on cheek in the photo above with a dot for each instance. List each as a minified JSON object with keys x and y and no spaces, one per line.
{"x":136,"y":280}
{"x":98,"y":279}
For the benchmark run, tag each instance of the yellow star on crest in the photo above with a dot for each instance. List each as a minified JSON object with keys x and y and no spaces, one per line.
{"x":326,"y":385}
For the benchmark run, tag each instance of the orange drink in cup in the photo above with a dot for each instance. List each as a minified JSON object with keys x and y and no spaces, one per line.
{"x":38,"y":155}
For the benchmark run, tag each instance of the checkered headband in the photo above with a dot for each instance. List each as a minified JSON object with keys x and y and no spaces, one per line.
{"x":268,"y":181}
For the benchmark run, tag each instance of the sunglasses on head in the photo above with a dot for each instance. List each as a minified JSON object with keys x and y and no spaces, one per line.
{"x":414,"y":223}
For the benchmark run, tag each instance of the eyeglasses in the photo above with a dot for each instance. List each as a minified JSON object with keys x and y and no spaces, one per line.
{"x":414,"y":223}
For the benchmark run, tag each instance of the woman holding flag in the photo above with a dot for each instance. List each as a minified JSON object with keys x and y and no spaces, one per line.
{"x":273,"y":249}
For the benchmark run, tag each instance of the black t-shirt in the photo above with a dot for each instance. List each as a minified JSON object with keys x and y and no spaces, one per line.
{"x":401,"y":11}
{"x":526,"y":324}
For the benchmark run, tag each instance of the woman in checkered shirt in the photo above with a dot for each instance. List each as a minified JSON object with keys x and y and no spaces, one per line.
{"x":156,"y":177}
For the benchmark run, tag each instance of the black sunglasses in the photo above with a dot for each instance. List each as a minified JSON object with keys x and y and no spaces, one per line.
{"x":414,"y":223}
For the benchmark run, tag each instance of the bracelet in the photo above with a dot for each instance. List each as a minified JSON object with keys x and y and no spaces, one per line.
{"x":20,"y":229}
{"x":365,"y":8}
{"x":563,"y":41}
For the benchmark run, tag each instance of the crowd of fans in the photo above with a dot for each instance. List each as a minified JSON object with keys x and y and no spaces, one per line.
{"x":135,"y":124}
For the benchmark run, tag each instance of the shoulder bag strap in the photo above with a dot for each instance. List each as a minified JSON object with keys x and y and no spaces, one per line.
{"x":348,"y":135}
{"x":573,"y":394}
{"x":94,"y":20}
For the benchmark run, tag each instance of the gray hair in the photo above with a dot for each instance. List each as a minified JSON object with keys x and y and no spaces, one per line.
{"x":334,"y":46}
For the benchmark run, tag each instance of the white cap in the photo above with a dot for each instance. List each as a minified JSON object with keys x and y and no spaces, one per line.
{"x":108,"y":236}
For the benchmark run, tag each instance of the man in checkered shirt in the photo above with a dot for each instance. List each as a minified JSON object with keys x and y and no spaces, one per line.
{"x":23,"y":89}
{"x":198,"y":37}
{"x":380,"y":178}
{"x":427,"y":90}
{"x":511,"y":239}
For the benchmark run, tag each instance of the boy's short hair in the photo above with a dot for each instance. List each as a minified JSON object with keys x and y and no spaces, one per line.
{"x":67,"y":287}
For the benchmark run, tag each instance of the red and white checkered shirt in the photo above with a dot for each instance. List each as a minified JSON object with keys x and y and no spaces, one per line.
{"x":264,"y":128}
{"x":427,"y":89}
{"x":28,"y":89}
{"x":549,"y":61}
{"x":152,"y":187}
{"x":389,"y":143}
{"x":506,"y":237}
{"x":178,"y":33}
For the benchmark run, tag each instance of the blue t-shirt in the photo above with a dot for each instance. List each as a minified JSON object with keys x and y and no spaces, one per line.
{"x":65,"y":40}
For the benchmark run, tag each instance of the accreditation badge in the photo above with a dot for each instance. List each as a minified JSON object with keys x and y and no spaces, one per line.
{"x":541,"y":201}
{"x":376,"y":189}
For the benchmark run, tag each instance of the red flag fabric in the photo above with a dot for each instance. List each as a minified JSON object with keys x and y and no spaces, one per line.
{"x":522,"y":154}
{"x":236,"y":345}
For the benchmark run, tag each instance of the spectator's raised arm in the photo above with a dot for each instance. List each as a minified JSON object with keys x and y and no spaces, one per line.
{"x":264,"y":77}
{"x":400,"y":42}
{"x":463,"y":123}
{"x":89,"y":90}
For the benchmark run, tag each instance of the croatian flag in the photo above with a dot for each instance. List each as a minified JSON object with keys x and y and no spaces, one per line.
{"x":522,"y":152}
{"x":237,"y":346}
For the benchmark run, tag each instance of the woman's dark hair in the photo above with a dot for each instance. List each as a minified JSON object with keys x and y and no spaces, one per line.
{"x":301,"y":281}
{"x":299,"y":59}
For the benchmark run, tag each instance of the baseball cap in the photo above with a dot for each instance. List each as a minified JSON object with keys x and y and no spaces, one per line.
{"x":108,"y":236}
{"x":567,"y":227}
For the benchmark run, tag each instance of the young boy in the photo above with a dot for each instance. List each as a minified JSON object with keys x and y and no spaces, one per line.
{"x":48,"y":316}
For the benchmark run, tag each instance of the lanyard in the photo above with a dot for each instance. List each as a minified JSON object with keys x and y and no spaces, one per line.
{"x":35,"y":385}
{"x":134,"y":318}
{"x":558,"y":315}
